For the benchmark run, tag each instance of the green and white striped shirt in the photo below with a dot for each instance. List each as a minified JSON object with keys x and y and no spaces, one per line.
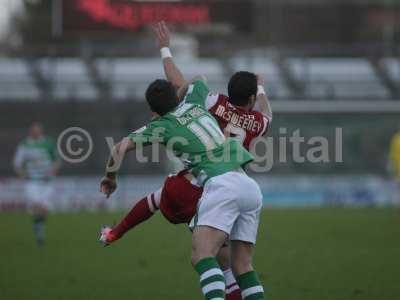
{"x":36,"y":157}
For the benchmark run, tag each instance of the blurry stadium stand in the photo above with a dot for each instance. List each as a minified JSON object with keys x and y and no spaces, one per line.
{"x":119,"y":79}
{"x":349,"y":78}
{"x":68,"y":78}
{"x":393,"y":67}
{"x":276,"y":85}
{"x":16,"y":81}
{"x":128,"y":78}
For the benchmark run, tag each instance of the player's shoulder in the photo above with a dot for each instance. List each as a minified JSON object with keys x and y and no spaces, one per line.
{"x":160,"y":122}
{"x":223,"y":100}
{"x":24,"y":142}
{"x":48,"y":140}
{"x":215,"y":99}
{"x":27,"y":142}
{"x":199,"y":80}
{"x":158,"y":127}
{"x":180,"y":110}
{"x":199,"y":83}
{"x":140,"y":130}
{"x":259,"y":115}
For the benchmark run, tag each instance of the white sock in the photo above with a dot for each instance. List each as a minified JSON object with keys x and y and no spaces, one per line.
{"x":230,"y":281}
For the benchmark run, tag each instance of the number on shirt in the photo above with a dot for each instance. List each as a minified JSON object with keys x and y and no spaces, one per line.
{"x":208,"y":132}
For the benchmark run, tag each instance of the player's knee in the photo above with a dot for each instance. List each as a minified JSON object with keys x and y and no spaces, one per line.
{"x":199,"y":253}
{"x":206,"y":243}
{"x":241,"y":265}
{"x":197,"y":256}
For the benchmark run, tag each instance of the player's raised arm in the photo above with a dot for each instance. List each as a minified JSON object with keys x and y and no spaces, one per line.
{"x":172,"y":72}
{"x":262,"y":99}
{"x":109,"y":182}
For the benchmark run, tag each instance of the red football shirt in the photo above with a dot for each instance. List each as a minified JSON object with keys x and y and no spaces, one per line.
{"x":235,"y":121}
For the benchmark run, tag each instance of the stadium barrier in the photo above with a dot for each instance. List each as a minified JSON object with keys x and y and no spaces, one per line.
{"x":71,"y":194}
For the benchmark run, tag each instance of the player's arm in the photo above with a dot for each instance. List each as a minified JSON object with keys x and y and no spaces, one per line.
{"x":264,"y":105}
{"x":56,"y":162}
{"x":18,"y":162}
{"x":109,"y":182}
{"x":172,"y":72}
{"x":144,"y":136}
{"x":55,"y":168}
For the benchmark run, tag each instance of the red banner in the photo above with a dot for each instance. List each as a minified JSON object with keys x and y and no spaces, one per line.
{"x":130,"y":16}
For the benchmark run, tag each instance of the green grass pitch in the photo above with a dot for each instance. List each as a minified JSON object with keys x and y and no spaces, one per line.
{"x":316,"y":254}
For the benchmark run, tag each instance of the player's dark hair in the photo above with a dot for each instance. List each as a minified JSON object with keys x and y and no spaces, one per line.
{"x":241,"y":87}
{"x":161,"y":96}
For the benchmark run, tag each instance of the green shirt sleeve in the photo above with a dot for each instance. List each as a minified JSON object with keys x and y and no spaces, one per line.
{"x":154,"y":132}
{"x":197,"y":93}
{"x":51,"y":148}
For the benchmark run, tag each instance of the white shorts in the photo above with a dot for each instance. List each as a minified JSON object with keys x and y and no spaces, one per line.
{"x":231,"y":202}
{"x":39,"y":193}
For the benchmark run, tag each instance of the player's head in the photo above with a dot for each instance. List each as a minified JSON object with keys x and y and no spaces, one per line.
{"x":242,"y":88}
{"x":161,"y":96}
{"x":35,"y":130}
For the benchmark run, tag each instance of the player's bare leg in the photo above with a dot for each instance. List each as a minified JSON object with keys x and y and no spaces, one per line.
{"x":232,"y":290}
{"x":206,"y":242}
{"x":224,"y":257}
{"x":242,"y":265}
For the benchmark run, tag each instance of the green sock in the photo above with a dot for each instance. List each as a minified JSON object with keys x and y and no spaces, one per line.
{"x":212,"y":279}
{"x":250,"y":286}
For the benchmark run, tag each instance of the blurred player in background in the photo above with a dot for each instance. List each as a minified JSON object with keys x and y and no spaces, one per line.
{"x":179,"y":197}
{"x":394,"y":165}
{"x":394,"y":156}
{"x":36,"y":161}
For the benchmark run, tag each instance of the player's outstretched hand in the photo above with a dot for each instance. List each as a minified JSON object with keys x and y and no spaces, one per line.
{"x":106,"y":236}
{"x":162,"y":33}
{"x":108,"y":186}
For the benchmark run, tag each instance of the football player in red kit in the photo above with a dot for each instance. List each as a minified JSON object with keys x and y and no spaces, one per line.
{"x":178,"y":198}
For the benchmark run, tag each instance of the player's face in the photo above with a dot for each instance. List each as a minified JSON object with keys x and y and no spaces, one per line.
{"x":35,"y":131}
